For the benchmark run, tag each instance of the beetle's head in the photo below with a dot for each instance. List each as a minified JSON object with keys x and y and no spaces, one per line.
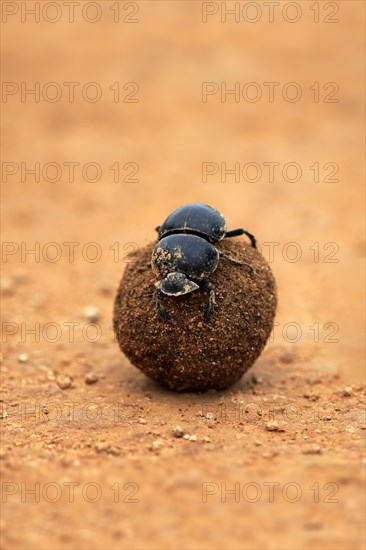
{"x":176,"y":284}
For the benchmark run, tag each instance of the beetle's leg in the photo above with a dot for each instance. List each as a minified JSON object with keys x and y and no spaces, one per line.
{"x":253,"y":240}
{"x":160,"y":306}
{"x":234,"y":233}
{"x":233,"y":261}
{"x":237,"y":232}
{"x":208,"y":287}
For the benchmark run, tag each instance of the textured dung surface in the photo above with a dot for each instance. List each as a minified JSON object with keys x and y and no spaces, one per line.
{"x":190,"y":352}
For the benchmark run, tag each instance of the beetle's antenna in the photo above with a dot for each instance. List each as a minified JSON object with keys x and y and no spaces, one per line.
{"x":234,"y":261}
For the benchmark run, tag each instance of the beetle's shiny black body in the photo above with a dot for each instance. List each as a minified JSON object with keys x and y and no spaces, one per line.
{"x":198,"y":219}
{"x":185,"y":255}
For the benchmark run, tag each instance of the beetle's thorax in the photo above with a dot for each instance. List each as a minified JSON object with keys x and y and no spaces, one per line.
{"x":187,"y":231}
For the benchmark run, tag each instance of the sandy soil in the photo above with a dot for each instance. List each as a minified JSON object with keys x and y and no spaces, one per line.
{"x":102,"y":458}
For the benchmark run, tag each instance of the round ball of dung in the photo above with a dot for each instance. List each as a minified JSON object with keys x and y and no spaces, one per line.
{"x":191,"y":352}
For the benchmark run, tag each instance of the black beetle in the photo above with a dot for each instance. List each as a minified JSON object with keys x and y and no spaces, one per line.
{"x":185,"y":255}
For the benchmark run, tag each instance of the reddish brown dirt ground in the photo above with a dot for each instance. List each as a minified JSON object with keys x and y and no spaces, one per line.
{"x":102,"y":459}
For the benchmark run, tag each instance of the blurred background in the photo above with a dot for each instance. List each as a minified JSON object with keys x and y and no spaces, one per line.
{"x":116,"y":113}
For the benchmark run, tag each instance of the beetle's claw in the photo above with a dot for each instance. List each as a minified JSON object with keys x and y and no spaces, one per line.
{"x":163,"y":314}
{"x":210,"y":310}
{"x":206,"y":285}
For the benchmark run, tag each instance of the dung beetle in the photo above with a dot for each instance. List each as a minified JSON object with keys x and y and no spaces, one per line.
{"x":185,"y":255}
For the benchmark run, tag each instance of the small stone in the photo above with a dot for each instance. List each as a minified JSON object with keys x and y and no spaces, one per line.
{"x":186,"y":437}
{"x":91,"y":378}
{"x":101,"y":446}
{"x":64,"y":382}
{"x":206,"y":439}
{"x":312,"y":450}
{"x":256,"y":379}
{"x":115,"y":451}
{"x":193,"y":438}
{"x":287,"y":358}
{"x":19,"y":276}
{"x":142,"y":421}
{"x":258,"y":443}
{"x":92,"y":314}
{"x":311,"y":396}
{"x":272,"y":426}
{"x":347,"y":392}
{"x":157,"y":444}
{"x":178,"y":432}
{"x":6,"y":286}
{"x":106,"y":289}
{"x":271,"y":454}
{"x":23,"y":358}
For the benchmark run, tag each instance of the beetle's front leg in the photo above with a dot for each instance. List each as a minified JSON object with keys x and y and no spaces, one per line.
{"x":160,"y":306}
{"x":208,"y":287}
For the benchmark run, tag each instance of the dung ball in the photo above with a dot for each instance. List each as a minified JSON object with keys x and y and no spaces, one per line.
{"x":191,"y":352}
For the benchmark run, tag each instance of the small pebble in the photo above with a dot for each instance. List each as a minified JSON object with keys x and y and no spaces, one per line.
{"x":347,"y":392}
{"x":178,"y":432}
{"x":101,"y":446}
{"x":19,"y":276}
{"x":257,"y":379}
{"x":193,"y":438}
{"x":287,"y":358}
{"x":272,"y":426}
{"x":142,"y":421}
{"x":6,"y":286}
{"x":23,"y":358}
{"x":92,"y":314}
{"x":91,"y":378}
{"x":64,"y":382}
{"x":106,"y":289}
{"x":312,"y":450}
{"x":271,"y":454}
